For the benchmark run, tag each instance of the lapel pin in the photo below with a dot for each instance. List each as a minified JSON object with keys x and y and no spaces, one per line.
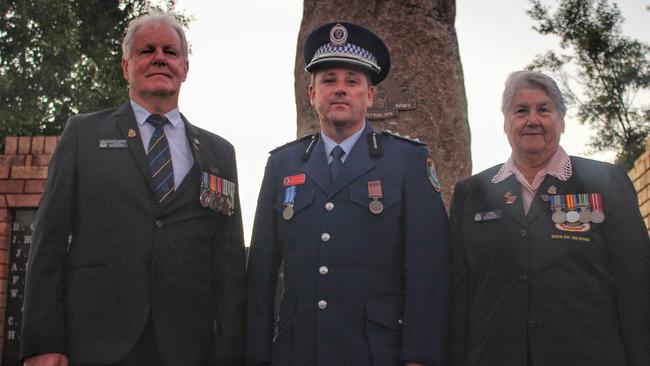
{"x":552,"y":190}
{"x":131,"y":133}
{"x":510,"y":199}
{"x":214,"y":170}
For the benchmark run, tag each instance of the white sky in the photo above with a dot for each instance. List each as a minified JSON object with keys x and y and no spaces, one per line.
{"x":240,"y":83}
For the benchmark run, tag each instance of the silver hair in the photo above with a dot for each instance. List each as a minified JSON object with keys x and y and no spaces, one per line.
{"x":156,"y":17}
{"x":533,"y":80}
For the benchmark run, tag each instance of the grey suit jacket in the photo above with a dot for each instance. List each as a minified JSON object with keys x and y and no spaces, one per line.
{"x":105,"y":254}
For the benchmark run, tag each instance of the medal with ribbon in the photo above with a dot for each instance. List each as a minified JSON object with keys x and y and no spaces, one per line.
{"x":572,"y":215}
{"x":557,"y":207}
{"x":291,"y":184}
{"x":585,"y":210}
{"x":597,"y":214}
{"x":205,"y":189}
{"x":374,"y":193}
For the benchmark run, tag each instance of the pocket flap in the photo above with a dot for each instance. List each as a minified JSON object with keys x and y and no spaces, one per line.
{"x":304,"y":197}
{"x":359,"y":195}
{"x":385,"y":310}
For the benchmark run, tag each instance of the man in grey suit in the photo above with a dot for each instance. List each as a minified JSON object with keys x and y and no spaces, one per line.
{"x":137,"y":256}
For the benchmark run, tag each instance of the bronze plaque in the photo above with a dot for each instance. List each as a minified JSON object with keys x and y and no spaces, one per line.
{"x":21,"y":240}
{"x":391,"y":97}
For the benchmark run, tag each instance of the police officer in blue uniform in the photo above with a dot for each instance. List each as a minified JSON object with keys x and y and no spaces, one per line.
{"x":355,"y":218}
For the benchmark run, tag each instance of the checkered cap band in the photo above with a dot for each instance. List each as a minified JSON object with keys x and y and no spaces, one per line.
{"x":346,"y":51}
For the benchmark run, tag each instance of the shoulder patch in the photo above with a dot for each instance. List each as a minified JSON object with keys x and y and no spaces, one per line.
{"x":403,"y":138}
{"x":304,"y":138}
{"x":431,"y":174}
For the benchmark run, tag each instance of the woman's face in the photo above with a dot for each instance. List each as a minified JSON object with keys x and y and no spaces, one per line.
{"x":533,"y":124}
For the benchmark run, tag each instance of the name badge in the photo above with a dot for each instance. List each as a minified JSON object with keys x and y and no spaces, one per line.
{"x":487,"y":216}
{"x":113,"y":144}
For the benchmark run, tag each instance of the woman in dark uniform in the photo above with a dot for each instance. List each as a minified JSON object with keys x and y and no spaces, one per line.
{"x":550,"y":257}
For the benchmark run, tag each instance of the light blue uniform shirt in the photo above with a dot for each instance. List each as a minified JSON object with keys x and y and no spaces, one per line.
{"x":346,"y":144}
{"x":179,"y":147}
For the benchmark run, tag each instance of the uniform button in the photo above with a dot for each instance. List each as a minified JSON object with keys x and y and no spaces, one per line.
{"x":323,"y":270}
{"x":329,"y":206}
{"x":400,"y":322}
{"x":322,"y":304}
{"x":159,"y":224}
{"x":532,"y":323}
{"x":523,"y":277}
{"x":523,"y":232}
{"x":325,"y":237}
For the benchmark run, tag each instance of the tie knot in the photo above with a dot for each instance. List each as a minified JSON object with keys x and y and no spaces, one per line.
{"x":337,"y":152}
{"x":157,"y":120}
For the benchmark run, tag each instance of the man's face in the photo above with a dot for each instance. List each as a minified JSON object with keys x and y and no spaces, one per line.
{"x":156,"y":66}
{"x":341,"y":98}
{"x":533,"y":123}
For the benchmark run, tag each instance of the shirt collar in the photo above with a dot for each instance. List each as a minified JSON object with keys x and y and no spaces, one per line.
{"x":559,"y":166}
{"x":141,"y":114}
{"x":346,"y":144}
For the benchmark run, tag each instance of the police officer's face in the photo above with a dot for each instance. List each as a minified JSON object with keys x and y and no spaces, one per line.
{"x":156,"y":66}
{"x":533,"y":124}
{"x":341,"y":98}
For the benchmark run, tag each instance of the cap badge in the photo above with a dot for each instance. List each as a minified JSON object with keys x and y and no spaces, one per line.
{"x":338,"y":35}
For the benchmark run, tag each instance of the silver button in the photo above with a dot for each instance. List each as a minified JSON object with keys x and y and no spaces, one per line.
{"x":323,"y":270}
{"x":322,"y":304}
{"x":325,"y":237}
{"x":329,"y":206}
{"x":159,"y":224}
{"x":523,"y":233}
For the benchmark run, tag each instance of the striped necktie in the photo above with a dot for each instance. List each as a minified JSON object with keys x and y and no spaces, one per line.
{"x":159,"y":158}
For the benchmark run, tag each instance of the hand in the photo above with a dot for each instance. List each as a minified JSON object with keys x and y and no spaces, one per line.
{"x":47,"y":359}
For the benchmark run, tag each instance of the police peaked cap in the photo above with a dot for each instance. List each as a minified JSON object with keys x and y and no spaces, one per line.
{"x":347,"y":44}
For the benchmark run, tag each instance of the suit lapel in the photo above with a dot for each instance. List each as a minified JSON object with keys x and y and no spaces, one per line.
{"x":125,"y":120}
{"x":316,"y":167}
{"x":514,"y":209}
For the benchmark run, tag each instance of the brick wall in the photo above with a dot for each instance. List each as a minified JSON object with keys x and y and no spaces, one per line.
{"x":23,"y":170}
{"x":640,"y":176}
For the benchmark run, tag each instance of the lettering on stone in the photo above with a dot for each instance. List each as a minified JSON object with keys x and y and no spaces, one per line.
{"x":21,"y":232}
{"x":392,"y":97}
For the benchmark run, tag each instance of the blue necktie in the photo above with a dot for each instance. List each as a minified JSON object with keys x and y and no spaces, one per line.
{"x":159,"y":158}
{"x":335,"y":166}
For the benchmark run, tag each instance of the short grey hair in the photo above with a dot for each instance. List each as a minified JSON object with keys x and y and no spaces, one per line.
{"x":155,"y":17}
{"x":532,"y":80}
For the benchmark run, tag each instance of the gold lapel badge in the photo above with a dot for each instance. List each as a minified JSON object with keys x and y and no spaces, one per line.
{"x":510,"y":199}
{"x":552,"y":190}
{"x":131,"y":133}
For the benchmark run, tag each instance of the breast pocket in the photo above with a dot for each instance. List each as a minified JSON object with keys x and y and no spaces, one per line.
{"x":292,"y":225}
{"x":374,"y":232}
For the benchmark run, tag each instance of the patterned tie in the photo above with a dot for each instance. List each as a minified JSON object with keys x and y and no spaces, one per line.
{"x":159,"y":158}
{"x":335,"y":166}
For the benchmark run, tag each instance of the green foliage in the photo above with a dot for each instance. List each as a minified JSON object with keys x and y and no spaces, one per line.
{"x":601,"y":73}
{"x":62,"y":57}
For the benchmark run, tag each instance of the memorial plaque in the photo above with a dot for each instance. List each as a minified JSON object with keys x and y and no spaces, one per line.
{"x":21,"y":239}
{"x":391,"y":97}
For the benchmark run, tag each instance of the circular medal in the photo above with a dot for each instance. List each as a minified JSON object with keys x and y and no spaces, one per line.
{"x":376,"y":207}
{"x":223,"y":205}
{"x":203,"y":198}
{"x":597,"y":217}
{"x":558,"y":217}
{"x":212,"y":202}
{"x":572,"y":216}
{"x":287,"y":214}
{"x":585,"y":216}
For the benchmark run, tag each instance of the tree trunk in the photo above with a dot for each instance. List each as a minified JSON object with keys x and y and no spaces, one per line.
{"x":425,"y":70}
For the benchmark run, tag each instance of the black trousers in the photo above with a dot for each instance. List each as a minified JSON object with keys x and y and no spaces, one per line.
{"x":145,"y":352}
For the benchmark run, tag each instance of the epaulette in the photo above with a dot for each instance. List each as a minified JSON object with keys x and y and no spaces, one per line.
{"x":404,"y":138}
{"x":304,"y":138}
